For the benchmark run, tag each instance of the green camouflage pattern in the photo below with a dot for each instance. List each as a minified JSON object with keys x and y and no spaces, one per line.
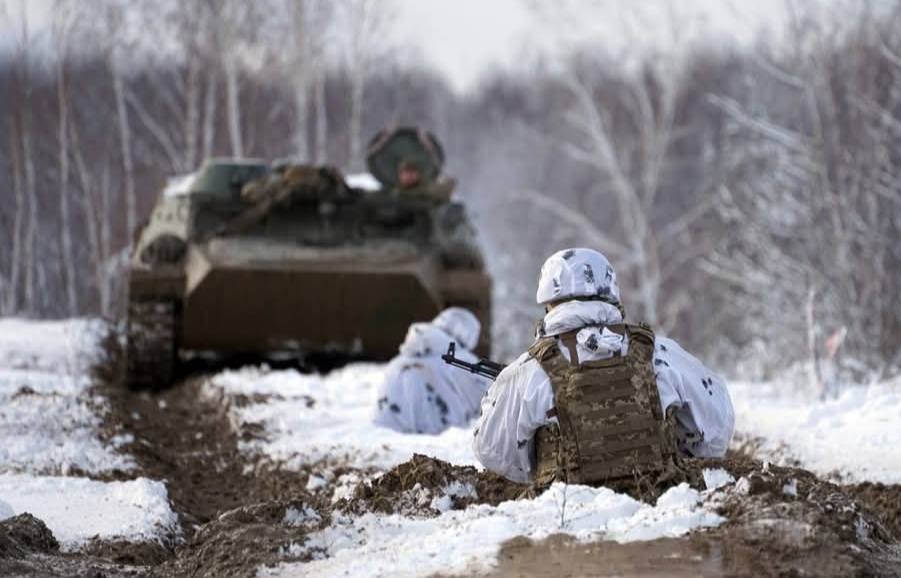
{"x":610,"y":425}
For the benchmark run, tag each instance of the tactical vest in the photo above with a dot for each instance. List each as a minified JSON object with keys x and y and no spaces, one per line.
{"x":611,"y":427}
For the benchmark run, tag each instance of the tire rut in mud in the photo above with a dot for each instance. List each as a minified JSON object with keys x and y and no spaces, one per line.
{"x":231,"y":508}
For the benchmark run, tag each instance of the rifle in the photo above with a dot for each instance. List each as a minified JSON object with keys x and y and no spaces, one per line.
{"x":483,"y":367}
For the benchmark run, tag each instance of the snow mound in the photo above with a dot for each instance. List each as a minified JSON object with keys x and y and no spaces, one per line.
{"x":48,"y":422}
{"x":465,"y":542}
{"x":856,"y":434}
{"x":308,"y":418}
{"x":77,"y":509}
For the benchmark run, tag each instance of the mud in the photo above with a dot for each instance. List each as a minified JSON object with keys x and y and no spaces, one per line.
{"x":29,"y":549}
{"x":883,"y":500}
{"x":409,"y":487}
{"x":24,"y":534}
{"x":781,"y":521}
{"x":239,"y":512}
{"x":241,"y":540}
{"x":564,"y":557}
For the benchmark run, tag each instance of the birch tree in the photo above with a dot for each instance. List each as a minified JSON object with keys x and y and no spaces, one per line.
{"x":365,"y":44}
{"x":62,"y":22}
{"x":624,"y":127}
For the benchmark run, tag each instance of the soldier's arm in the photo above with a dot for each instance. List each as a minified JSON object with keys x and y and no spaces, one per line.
{"x":514,"y":408}
{"x":703,"y":408}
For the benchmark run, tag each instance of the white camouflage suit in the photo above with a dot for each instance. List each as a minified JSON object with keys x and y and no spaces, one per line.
{"x":422,"y":394}
{"x":518,"y":403}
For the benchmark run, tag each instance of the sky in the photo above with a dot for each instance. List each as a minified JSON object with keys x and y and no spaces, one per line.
{"x":466,"y":38}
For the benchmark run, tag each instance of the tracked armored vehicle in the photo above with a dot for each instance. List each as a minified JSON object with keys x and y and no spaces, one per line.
{"x":244,"y":257}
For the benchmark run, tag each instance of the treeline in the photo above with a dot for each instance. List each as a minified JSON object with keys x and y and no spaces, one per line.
{"x":749,"y":199}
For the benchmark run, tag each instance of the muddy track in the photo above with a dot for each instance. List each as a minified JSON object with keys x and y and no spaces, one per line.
{"x":229,"y":506}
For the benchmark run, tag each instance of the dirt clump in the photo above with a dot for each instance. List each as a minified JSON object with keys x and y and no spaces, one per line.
{"x":24,"y":534}
{"x":241,"y":540}
{"x":411,"y":487}
{"x":783,"y":521}
{"x":882,"y":499}
{"x":128,"y":553}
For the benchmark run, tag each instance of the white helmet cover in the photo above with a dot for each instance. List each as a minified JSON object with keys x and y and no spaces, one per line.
{"x":574,"y":273}
{"x":460,"y":324}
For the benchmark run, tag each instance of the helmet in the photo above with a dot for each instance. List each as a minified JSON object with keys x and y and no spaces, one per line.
{"x":573,"y":273}
{"x":460,"y":324}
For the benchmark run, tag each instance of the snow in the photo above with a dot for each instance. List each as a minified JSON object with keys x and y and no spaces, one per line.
{"x":50,"y":424}
{"x":364,"y":181}
{"x":306,"y":516}
{"x":856,"y":435}
{"x":464,"y":542}
{"x":179,"y":185}
{"x":313,"y":418}
{"x":49,"y":420}
{"x":77,"y":510}
{"x":716,"y":478}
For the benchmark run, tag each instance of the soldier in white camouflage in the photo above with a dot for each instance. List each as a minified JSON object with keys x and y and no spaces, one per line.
{"x":596,"y":400}
{"x":422,"y":394}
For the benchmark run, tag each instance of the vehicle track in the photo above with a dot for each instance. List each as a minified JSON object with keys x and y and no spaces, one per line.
{"x":229,"y":506}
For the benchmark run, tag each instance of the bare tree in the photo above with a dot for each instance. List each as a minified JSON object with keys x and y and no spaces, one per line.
{"x":366,"y":21}
{"x":624,"y":127}
{"x":62,"y":22}
{"x":811,"y":205}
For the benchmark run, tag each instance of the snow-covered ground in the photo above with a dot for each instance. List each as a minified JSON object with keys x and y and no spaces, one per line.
{"x":48,"y":418}
{"x":857,"y":435}
{"x":49,"y":428}
{"x":311,"y":418}
{"x":465,"y":542}
{"x":78,"y":509}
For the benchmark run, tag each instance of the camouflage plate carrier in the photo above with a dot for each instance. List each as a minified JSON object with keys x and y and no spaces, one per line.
{"x":611,"y":429}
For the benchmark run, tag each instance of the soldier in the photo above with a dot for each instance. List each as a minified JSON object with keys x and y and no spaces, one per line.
{"x":595,"y":400}
{"x":407,"y":161}
{"x":408,"y":175}
{"x":422,"y":394}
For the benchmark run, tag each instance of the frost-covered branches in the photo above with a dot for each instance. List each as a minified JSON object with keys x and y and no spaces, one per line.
{"x":813,"y":217}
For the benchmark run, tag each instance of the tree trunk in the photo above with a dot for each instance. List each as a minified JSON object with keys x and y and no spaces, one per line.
{"x":125,"y":144}
{"x":192,"y":114}
{"x":31,"y":231}
{"x":66,"y":254}
{"x":233,"y":105}
{"x":209,"y":115}
{"x":321,"y":110}
{"x":11,"y":302}
{"x":356,"y":120}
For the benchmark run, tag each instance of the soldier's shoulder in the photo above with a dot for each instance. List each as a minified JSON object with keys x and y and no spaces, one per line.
{"x":524,"y":366}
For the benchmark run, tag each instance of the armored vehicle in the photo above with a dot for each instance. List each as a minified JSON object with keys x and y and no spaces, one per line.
{"x":245,"y":257}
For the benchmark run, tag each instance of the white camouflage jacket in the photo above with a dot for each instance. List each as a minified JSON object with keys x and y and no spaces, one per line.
{"x":422,"y":394}
{"x":518,"y":401}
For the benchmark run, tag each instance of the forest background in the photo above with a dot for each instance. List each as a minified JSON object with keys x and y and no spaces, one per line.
{"x":747,"y":193}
